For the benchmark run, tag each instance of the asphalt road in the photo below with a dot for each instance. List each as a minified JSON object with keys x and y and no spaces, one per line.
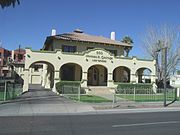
{"x":159,"y":123}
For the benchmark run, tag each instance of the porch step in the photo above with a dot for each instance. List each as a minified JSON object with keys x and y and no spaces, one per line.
{"x":100,"y":90}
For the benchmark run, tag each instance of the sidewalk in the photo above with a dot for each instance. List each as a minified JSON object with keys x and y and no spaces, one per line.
{"x":42,"y":102}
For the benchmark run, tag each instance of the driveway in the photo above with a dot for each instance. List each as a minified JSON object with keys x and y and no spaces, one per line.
{"x":39,"y":101}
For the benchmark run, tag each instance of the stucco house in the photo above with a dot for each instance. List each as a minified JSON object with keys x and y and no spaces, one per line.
{"x":93,"y":60}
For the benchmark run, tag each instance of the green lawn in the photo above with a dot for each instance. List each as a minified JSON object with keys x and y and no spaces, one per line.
{"x":89,"y":98}
{"x":147,"y":98}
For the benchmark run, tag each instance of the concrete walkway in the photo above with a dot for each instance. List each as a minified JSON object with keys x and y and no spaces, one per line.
{"x":42,"y":102}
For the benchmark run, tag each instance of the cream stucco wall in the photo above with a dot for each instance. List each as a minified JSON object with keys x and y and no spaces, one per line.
{"x":86,"y":59}
{"x":81,"y":46}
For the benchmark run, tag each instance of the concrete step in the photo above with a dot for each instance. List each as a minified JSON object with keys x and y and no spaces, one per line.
{"x":100,"y":90}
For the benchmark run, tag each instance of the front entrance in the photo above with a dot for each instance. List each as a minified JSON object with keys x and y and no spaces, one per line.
{"x":97,"y":76}
{"x":93,"y":75}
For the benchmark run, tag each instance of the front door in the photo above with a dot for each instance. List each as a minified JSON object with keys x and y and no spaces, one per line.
{"x":93,"y":76}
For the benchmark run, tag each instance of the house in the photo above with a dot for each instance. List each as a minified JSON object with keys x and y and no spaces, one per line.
{"x":175,"y":82}
{"x":93,"y":60}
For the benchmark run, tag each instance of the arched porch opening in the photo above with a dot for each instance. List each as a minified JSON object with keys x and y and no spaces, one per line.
{"x":121,"y":74}
{"x":97,"y":76}
{"x":42,"y":73}
{"x":143,"y":75}
{"x":71,"y":72}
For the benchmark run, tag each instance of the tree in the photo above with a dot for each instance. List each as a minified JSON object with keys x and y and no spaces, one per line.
{"x":127,"y":40}
{"x":155,"y":39}
{"x":7,"y":3}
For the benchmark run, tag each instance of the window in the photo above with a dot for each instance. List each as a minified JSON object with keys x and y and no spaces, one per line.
{"x":20,"y":56}
{"x":66,"y":48}
{"x":14,"y":56}
{"x":36,"y":69}
{"x":89,"y":48}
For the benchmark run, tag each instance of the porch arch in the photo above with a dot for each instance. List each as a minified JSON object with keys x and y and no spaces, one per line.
{"x":42,"y":72}
{"x":97,"y":75}
{"x":144,"y":75}
{"x":71,"y":72}
{"x":121,"y":74}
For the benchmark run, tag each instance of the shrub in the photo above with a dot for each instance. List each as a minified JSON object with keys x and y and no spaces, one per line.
{"x":139,"y":88}
{"x":67,"y":87}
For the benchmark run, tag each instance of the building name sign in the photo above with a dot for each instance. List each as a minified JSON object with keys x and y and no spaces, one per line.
{"x":99,"y":56}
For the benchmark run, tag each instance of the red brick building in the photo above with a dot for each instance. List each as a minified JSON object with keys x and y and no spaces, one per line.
{"x":14,"y":57}
{"x":4,"y":56}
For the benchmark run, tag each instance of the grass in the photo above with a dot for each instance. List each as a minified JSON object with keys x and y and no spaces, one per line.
{"x":148,"y":97}
{"x":89,"y":98}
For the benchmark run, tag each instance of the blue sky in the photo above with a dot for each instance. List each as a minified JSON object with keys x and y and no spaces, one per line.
{"x":31,"y":22}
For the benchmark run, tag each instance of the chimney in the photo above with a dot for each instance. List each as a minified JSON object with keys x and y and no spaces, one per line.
{"x":113,"y":35}
{"x":53,"y":32}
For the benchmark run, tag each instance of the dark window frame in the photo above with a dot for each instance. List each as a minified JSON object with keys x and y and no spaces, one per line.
{"x":68,"y":48}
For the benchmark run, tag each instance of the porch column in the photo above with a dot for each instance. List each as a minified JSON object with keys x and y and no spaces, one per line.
{"x":56,"y":79}
{"x":84,"y":79}
{"x":133,"y":78}
{"x":48,"y":81}
{"x":44,"y":75}
{"x":153,"y":78}
{"x":26,"y":80}
{"x":110,"y":82}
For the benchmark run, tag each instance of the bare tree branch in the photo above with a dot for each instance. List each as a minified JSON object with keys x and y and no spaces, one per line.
{"x":157,"y":38}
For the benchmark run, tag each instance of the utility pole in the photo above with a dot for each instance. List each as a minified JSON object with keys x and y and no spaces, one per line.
{"x":164,"y":65}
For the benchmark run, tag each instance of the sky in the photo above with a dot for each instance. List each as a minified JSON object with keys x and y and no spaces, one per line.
{"x":29,"y":23}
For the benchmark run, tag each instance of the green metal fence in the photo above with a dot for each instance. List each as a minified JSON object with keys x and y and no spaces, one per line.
{"x":10,"y":91}
{"x":73,"y":90}
{"x":146,"y":94}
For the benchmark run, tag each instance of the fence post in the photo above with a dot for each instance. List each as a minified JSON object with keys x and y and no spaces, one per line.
{"x":5,"y":90}
{"x":134,"y":94}
{"x":178,"y":92}
{"x":79,"y":93}
{"x":13,"y":91}
{"x":63,"y":90}
{"x":114,"y":99}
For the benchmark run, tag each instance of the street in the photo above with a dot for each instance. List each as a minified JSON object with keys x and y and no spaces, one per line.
{"x":166,"y":123}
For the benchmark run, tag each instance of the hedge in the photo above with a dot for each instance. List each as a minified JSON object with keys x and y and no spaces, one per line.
{"x":139,"y":88}
{"x":68,"y":87}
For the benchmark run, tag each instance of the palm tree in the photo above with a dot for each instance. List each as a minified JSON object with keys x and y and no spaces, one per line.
{"x":7,"y":3}
{"x":127,"y":40}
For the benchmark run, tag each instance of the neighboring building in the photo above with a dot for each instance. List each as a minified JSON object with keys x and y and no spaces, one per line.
{"x":175,"y":82}
{"x":17,"y":64}
{"x":4,"y":57}
{"x":18,"y":55}
{"x":93,"y":60}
